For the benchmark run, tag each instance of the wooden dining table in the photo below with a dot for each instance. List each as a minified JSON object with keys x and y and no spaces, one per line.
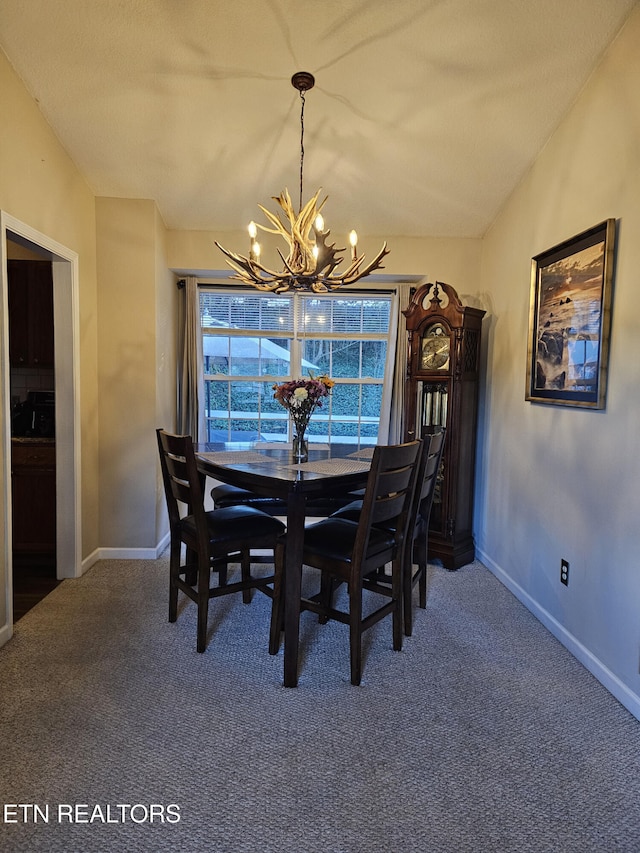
{"x":268,"y":469}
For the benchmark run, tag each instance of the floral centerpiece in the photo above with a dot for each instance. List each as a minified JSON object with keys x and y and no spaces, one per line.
{"x":301,"y":397}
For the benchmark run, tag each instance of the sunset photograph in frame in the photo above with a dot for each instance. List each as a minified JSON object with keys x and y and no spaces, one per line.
{"x":570,"y":320}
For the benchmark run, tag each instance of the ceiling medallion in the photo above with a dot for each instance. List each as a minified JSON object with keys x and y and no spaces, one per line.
{"x":313,"y":264}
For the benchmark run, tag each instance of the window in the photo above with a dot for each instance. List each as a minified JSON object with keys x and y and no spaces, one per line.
{"x":252,"y":340}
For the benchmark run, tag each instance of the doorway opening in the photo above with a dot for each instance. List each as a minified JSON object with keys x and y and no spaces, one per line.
{"x":33,"y":444}
{"x":51,"y":417}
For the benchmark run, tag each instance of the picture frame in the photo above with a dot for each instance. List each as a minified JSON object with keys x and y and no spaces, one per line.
{"x":570,"y":320}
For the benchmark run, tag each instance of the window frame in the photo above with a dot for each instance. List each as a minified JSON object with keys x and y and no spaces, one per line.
{"x":296,"y":334}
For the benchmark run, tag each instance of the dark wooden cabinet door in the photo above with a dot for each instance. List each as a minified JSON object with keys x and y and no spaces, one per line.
{"x":18,"y":314}
{"x":31,"y":330}
{"x":33,"y":493}
{"x":41,"y":349}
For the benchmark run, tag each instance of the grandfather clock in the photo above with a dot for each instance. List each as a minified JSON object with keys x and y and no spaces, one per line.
{"x":442,"y":391}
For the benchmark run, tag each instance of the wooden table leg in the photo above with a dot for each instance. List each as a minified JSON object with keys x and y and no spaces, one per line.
{"x":292,"y":585}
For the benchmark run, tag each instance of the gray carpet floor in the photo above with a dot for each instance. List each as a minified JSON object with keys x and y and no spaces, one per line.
{"x":483,"y":734}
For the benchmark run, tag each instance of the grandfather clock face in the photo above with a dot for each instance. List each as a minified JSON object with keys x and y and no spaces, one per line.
{"x":435,"y":348}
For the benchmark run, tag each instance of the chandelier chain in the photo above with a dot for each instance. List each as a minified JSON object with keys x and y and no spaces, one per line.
{"x":302,"y":93}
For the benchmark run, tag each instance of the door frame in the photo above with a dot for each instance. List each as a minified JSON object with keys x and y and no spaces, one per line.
{"x":64,"y":264}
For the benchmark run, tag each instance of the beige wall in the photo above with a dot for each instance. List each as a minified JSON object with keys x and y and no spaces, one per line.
{"x":556,"y":482}
{"x":136,"y":367}
{"x":166,"y":368}
{"x":40,"y":186}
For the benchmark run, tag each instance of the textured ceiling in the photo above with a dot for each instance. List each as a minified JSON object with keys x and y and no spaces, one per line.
{"x":424,"y":117}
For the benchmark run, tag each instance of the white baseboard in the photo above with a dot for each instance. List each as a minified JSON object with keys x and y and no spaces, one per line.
{"x":610,"y":681}
{"x":6,"y":632}
{"x":125,"y":554}
{"x":90,"y":561}
{"x":131,"y":553}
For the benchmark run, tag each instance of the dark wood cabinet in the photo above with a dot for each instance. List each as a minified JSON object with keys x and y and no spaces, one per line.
{"x":31,"y":334}
{"x":33,"y":493}
{"x":442,"y":390}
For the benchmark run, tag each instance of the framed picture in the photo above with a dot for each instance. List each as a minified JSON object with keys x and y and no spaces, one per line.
{"x":570,"y":320}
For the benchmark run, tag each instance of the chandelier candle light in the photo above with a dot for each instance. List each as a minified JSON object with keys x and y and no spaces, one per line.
{"x":312,"y":263}
{"x":301,"y":397}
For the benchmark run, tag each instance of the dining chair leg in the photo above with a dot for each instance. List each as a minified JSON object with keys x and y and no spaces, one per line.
{"x":174,"y":571}
{"x":277,"y":609}
{"x":407,"y":612}
{"x":246,"y":576}
{"x":422,"y":585}
{"x":407,"y":596}
{"x":203,"y":602}
{"x":355,"y":633}
{"x":396,"y":589}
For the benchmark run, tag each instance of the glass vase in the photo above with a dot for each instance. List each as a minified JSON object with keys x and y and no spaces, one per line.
{"x":300,"y":447}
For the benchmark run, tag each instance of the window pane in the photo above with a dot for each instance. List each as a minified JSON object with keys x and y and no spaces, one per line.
{"x":350,"y":359}
{"x":316,"y":356}
{"x":223,"y":310}
{"x":216,"y":354}
{"x":259,"y":356}
{"x":347,"y":431}
{"x":353,"y":315}
{"x":346,"y":316}
{"x":345,"y":400}
{"x":345,"y":359}
{"x":376,"y":315}
{"x":368,"y":433}
{"x":371,"y":400}
{"x":374,"y":359}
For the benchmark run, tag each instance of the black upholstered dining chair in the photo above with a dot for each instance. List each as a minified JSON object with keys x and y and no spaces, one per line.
{"x":416,"y":549}
{"x":213,"y":539}
{"x":347,"y":551}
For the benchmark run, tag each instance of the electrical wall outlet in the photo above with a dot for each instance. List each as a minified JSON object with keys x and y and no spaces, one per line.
{"x":564,"y":572}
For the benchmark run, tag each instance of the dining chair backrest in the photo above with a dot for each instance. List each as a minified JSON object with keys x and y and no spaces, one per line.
{"x":388,"y":496}
{"x":183,"y":483}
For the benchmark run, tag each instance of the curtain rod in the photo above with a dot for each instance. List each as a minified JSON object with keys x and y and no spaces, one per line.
{"x":181,"y":283}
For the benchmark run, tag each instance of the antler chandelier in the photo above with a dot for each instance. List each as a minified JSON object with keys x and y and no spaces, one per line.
{"x":312,"y":263}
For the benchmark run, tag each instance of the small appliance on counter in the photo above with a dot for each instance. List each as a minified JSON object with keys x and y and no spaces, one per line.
{"x":35,"y":417}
